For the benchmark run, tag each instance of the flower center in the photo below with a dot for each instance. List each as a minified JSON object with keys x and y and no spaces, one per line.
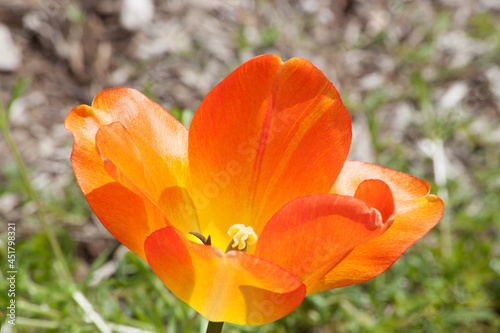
{"x":241,"y":236}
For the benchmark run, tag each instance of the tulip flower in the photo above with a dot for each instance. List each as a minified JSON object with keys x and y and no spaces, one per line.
{"x":255,"y":206}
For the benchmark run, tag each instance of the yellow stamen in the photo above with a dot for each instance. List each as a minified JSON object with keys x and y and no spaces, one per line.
{"x":242,"y":236}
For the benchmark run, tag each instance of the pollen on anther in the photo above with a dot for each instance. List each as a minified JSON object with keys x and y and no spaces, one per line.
{"x":242,"y":236}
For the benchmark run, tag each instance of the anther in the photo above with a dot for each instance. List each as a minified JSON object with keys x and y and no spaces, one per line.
{"x":241,"y":237}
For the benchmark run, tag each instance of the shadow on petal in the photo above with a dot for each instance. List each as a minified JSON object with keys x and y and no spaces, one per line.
{"x":179,"y":209}
{"x":126,"y":215}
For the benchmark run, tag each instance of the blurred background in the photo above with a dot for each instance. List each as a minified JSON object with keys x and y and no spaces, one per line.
{"x":421,"y":80}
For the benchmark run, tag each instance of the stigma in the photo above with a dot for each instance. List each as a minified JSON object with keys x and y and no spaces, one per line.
{"x":241,"y":236}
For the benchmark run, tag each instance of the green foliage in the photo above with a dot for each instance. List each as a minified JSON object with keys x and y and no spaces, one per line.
{"x":266,"y":38}
{"x":75,"y":15}
{"x":482,"y":26}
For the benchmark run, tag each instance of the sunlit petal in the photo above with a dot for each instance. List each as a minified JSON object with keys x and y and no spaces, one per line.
{"x":235,"y":287}
{"x":268,"y":133}
{"x":310,"y":235}
{"x":416,"y":213}
{"x":151,"y":129}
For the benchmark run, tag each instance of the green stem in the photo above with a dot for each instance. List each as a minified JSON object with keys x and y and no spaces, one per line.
{"x":215,"y":326}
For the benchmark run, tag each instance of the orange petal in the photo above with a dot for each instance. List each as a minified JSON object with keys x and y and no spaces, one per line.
{"x":147,"y":122}
{"x":87,"y":165}
{"x":403,"y":186}
{"x":377,"y":194}
{"x":150,"y":126}
{"x":416,"y":213}
{"x":235,"y":287}
{"x":127,"y":216}
{"x":310,"y":235}
{"x":147,"y":174}
{"x":268,"y":133}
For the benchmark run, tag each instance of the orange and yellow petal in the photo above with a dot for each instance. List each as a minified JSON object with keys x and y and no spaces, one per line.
{"x":403,"y":186}
{"x":268,"y":133}
{"x":147,"y":122}
{"x":87,"y":165}
{"x":151,"y":126}
{"x":234,"y":287}
{"x":416,"y":213}
{"x":312,"y":234}
{"x":151,"y":129}
{"x":147,"y":174}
